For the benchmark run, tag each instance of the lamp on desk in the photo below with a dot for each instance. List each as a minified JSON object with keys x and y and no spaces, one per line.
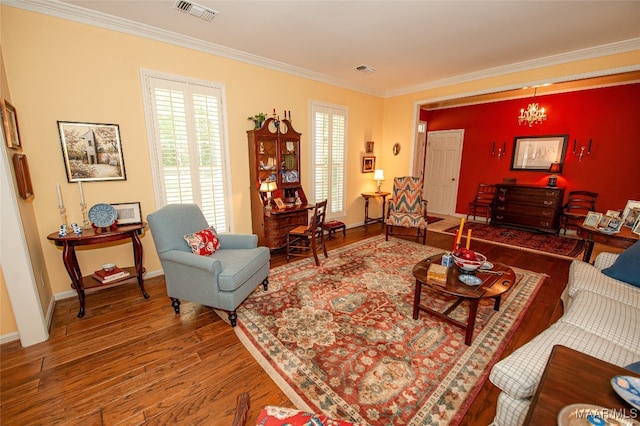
{"x":379,"y":176}
{"x":268,"y":186}
{"x":553,"y":169}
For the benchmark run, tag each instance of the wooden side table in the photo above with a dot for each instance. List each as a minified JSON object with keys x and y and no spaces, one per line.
{"x":623,"y":239}
{"x":572,"y":377}
{"x":367,"y":196}
{"x":88,"y":238}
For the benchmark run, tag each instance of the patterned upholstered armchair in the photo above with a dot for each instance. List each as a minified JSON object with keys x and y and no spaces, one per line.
{"x":406,"y":207}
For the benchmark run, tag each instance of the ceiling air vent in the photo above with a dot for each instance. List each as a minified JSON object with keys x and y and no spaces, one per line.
{"x":365,"y":69}
{"x":196,"y":10}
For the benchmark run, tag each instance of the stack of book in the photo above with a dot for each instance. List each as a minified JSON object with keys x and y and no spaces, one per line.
{"x":437,"y":273}
{"x":114,"y":274}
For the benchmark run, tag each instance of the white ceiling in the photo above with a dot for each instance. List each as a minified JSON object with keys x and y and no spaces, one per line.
{"x":412,"y":45}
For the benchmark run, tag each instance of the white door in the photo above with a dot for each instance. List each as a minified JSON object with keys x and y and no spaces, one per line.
{"x":442,"y":170}
{"x":420,"y":148}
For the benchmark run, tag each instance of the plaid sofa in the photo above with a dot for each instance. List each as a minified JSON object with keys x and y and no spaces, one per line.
{"x":601,"y":318}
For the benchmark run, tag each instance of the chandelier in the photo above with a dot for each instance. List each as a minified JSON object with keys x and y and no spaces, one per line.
{"x":533,"y":114}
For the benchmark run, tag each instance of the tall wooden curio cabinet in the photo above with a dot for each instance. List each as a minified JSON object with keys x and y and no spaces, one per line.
{"x":274,"y":155}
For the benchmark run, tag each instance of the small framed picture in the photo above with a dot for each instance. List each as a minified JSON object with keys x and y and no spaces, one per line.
{"x":128,"y":213}
{"x":370,"y":147}
{"x":23,"y":177}
{"x":612,"y":213}
{"x":604,"y":221}
{"x":368,"y":164}
{"x":636,"y":227}
{"x":592,"y":219}
{"x":10,"y":125}
{"x":615,"y":223}
{"x":279,"y":203}
{"x":631,"y":204}
{"x":631,"y":217}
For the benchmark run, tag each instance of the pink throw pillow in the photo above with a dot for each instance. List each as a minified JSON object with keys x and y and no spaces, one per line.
{"x":204,"y":242}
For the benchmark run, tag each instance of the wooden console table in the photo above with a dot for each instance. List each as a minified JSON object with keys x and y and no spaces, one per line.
{"x":572,"y":377}
{"x":367,"y":196}
{"x":90,"y":238}
{"x":623,"y":239}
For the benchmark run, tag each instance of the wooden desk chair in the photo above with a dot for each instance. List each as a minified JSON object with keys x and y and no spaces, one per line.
{"x":483,"y":202}
{"x":576,"y":208}
{"x":304,"y":238}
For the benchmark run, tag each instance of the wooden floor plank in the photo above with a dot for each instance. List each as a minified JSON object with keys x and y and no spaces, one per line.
{"x":133,"y":361}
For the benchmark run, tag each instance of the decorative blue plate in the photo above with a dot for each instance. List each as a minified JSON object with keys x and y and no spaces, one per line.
{"x":628,"y":388}
{"x":470,"y":279}
{"x":486,"y":265}
{"x":102,"y":215}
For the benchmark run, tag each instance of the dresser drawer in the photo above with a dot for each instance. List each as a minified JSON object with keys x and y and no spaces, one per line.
{"x":288,"y":221}
{"x":528,"y":221}
{"x":526,"y":210}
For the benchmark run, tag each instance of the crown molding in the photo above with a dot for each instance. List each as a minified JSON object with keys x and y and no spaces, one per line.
{"x":589,"y":53}
{"x":102,"y":20}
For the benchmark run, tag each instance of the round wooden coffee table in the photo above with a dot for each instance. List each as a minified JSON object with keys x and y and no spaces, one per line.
{"x":494,"y":283}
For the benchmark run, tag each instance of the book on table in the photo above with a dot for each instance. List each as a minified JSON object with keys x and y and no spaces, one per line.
{"x":112,"y":275}
{"x":437,"y":273}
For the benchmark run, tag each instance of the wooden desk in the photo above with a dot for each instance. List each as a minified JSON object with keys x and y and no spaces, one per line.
{"x":277,"y":223}
{"x":367,"y":196}
{"x":89,"y":238}
{"x":623,"y":239}
{"x":572,"y":377}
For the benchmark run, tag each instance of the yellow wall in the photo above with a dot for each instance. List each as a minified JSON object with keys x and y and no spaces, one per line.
{"x":62,"y":70}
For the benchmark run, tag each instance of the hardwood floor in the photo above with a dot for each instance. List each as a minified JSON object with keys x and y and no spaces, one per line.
{"x":133,"y":361}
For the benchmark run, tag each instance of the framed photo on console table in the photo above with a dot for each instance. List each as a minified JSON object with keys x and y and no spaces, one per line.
{"x":592,"y":219}
{"x":536,"y":153}
{"x":128,"y":213}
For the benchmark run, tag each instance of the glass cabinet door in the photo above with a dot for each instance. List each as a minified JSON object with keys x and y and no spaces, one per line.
{"x":267,"y":156}
{"x":289,"y":167}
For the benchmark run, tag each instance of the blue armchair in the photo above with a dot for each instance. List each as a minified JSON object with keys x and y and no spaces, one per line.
{"x":222,"y":280}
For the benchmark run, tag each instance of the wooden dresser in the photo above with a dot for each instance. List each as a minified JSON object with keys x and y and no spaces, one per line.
{"x":528,"y":206}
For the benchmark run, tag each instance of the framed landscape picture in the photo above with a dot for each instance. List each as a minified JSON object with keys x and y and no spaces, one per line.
{"x":536,"y":153}
{"x":91,"y":151}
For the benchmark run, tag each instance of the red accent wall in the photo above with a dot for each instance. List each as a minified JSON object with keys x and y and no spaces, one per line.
{"x":610,"y":117}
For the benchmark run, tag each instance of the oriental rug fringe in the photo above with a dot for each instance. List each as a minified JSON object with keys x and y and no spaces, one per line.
{"x":339,"y":339}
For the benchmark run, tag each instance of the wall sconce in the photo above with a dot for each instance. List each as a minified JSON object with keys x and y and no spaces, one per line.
{"x":582,"y":149}
{"x":379,"y":176}
{"x":553,"y":169}
{"x":268,"y":186}
{"x":501,"y":151}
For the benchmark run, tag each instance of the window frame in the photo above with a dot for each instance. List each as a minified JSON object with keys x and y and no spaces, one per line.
{"x":157,"y":173}
{"x":332,"y":109}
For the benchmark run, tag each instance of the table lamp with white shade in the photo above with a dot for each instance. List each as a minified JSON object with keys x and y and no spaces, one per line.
{"x":268,"y":186}
{"x":379,"y":176}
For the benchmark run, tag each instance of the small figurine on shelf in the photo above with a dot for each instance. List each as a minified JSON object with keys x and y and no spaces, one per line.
{"x":76,"y":229}
{"x":298,"y":201}
{"x":63,"y":231}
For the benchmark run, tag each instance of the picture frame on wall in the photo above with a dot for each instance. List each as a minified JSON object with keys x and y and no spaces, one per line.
{"x":91,"y":151}
{"x":537,"y":153}
{"x":370,"y":147}
{"x":23,"y":176}
{"x":10,"y":125}
{"x":128,"y":213}
{"x":368,"y":164}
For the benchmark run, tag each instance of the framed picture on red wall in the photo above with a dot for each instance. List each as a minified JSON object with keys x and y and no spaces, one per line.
{"x":537,"y":153}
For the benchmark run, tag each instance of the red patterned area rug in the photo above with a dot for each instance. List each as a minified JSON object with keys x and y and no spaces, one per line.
{"x":524,"y":240}
{"x":339,"y":339}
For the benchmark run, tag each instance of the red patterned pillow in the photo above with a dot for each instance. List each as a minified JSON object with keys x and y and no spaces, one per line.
{"x":280,"y":416}
{"x":204,"y":242}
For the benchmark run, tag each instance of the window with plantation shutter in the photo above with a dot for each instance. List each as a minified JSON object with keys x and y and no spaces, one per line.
{"x":187,"y":141}
{"x":329,"y":130}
